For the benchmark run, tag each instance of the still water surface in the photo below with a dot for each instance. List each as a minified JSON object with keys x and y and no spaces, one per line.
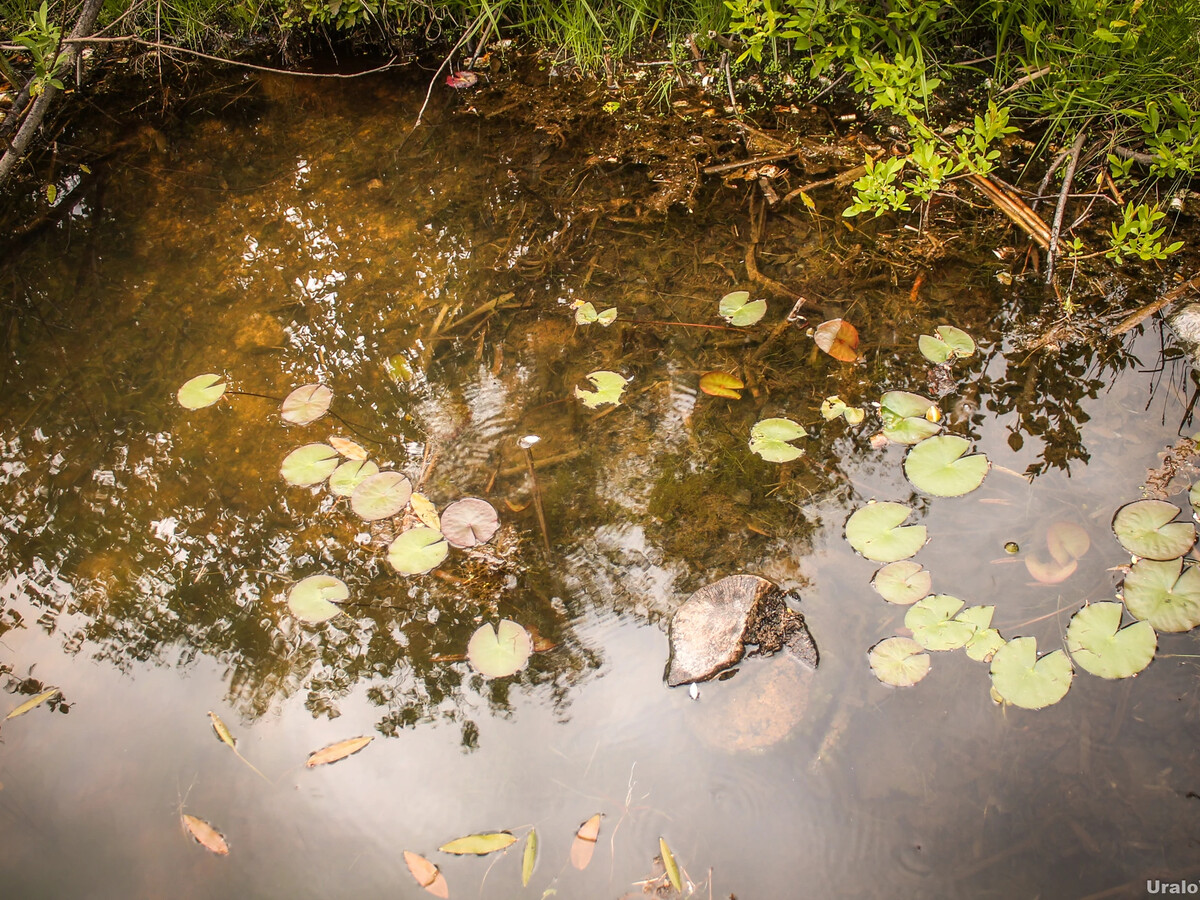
{"x":293,"y":238}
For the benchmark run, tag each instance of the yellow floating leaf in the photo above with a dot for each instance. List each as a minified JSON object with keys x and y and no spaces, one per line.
{"x":32,"y":703}
{"x":426,"y":511}
{"x":529,"y":858}
{"x":670,"y":865}
{"x":721,"y":384}
{"x":340,"y":750}
{"x":222,"y":731}
{"x":348,"y":448}
{"x":585,"y":842}
{"x":479,"y":844}
{"x":427,"y":875}
{"x":207,"y":836}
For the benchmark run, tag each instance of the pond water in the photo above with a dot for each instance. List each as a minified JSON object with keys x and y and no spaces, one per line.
{"x":291,"y":236}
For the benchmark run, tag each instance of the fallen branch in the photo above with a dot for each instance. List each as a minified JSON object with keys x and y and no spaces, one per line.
{"x":1060,"y":210}
{"x":747,"y":163}
{"x":1140,"y":315}
{"x":1015,"y":208}
{"x":841,"y":180}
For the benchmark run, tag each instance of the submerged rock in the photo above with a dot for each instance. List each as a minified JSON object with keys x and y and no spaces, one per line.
{"x":713,"y":628}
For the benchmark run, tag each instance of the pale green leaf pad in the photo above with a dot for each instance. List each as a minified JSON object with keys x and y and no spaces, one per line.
{"x":1163,"y":593}
{"x":417,"y":551}
{"x":769,"y":439}
{"x":908,"y":418}
{"x":1098,"y":647}
{"x":306,"y":403}
{"x":903,"y":582}
{"x":899,"y":661}
{"x":875,"y":531}
{"x":311,"y":600}
{"x":939,"y":467}
{"x":201,"y":391}
{"x":950,"y":343}
{"x":1146,"y":528}
{"x":608,"y":389}
{"x":496,"y":653}
{"x":934,"y":626}
{"x":310,"y":464}
{"x":350,"y":475}
{"x":1020,"y":678}
{"x":381,"y":495}
{"x":737,"y":308}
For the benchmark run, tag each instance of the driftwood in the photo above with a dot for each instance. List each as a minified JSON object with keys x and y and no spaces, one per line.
{"x":1006,"y":200}
{"x":1140,"y":315}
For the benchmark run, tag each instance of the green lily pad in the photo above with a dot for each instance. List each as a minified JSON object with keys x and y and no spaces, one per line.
{"x":609,"y":387}
{"x":832,"y":407}
{"x":875,"y":531}
{"x":310,"y":464}
{"x":899,"y":661}
{"x":306,"y":403}
{"x":350,"y":475}
{"x":585,"y":314}
{"x":1023,"y":680}
{"x":418,"y":550}
{"x":950,"y":343}
{"x":1096,"y":644}
{"x":737,"y":308}
{"x":983,"y":644}
{"x":500,"y":652}
{"x":201,"y":391}
{"x":908,"y":418}
{"x":380,"y":495}
{"x":1194,"y":498}
{"x":939,"y":467}
{"x":769,"y":439}
{"x":1147,"y":528}
{"x":469,"y":521}
{"x":903,"y":582}
{"x":1163,"y":593}
{"x":934,"y":626}
{"x":311,"y":600}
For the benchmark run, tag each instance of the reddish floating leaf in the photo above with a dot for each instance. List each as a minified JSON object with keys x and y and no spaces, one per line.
{"x":585,"y":842}
{"x":838,"y":338}
{"x":463,"y":79}
{"x":427,"y":875}
{"x":721,"y":384}
{"x":206,"y":836}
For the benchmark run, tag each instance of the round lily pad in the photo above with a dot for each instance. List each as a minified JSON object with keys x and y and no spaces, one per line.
{"x":1020,"y":678}
{"x":737,"y":308}
{"x":983,"y":644}
{"x":311,"y":600}
{"x":381,"y":495}
{"x":1163,"y":593}
{"x":417,"y":551}
{"x":1146,"y":528}
{"x":899,"y":661}
{"x":769,"y":439}
{"x":934,"y":626}
{"x":950,"y":343}
{"x":1096,"y":644}
{"x":908,"y":418}
{"x":306,"y":403}
{"x":1067,"y":541}
{"x":201,"y":391}
{"x":350,"y":475}
{"x":875,"y":531}
{"x":310,"y":464}
{"x":903,"y":582}
{"x":608,"y":389}
{"x":1194,"y":498}
{"x":469,"y":521}
{"x":499,"y":652}
{"x":902,"y":404}
{"x":939,"y":467}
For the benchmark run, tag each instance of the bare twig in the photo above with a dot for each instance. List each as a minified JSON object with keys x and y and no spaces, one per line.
{"x":1060,"y":210}
{"x":841,"y":180}
{"x":1006,"y":200}
{"x":1140,"y":315}
{"x":729,"y":83}
{"x":747,"y":163}
{"x":449,"y":56}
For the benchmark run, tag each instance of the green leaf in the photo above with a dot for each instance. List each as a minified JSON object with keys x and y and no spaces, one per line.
{"x":529,"y":857}
{"x":32,"y":703}
{"x":902,"y":404}
{"x":910,"y":430}
{"x":933,"y":624}
{"x":769,"y":439}
{"x":306,"y":403}
{"x":983,"y":644}
{"x":832,"y":407}
{"x":1098,"y":647}
{"x":609,"y":387}
{"x":899,"y":661}
{"x":201,"y":391}
{"x":1163,"y":593}
{"x":607,"y":317}
{"x":418,"y":550}
{"x":1023,"y":680}
{"x":311,"y":600}
{"x":1194,"y":498}
{"x":310,"y":464}
{"x":672,"y":868}
{"x":1146,"y":528}
{"x":498,"y":653}
{"x":381,"y":495}
{"x":479,"y":844}
{"x":939,"y":467}
{"x":350,"y":475}
{"x":585,"y":314}
{"x":469,"y":521}
{"x":950,"y":343}
{"x":875,"y":532}
{"x":908,"y":418}
{"x":903,"y":582}
{"x":737,"y":308}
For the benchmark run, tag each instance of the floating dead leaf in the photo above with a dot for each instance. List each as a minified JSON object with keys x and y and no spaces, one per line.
{"x":335,"y":752}
{"x":1049,"y":571}
{"x":207,"y":836}
{"x":584,"y":844}
{"x":721,"y":384}
{"x":427,"y":875}
{"x":425,"y":511}
{"x":348,"y":448}
{"x":32,"y":703}
{"x":838,"y":338}
{"x":479,"y":844}
{"x":670,"y":865}
{"x":529,"y":857}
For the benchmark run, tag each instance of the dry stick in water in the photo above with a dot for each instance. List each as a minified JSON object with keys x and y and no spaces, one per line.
{"x":1060,"y":210}
{"x":1140,"y":315}
{"x":449,"y":56}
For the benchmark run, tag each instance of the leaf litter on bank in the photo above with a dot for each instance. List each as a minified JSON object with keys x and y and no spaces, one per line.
{"x":1146,"y":528}
{"x":1100,"y":646}
{"x":1021,"y":679}
{"x":306,"y":404}
{"x":201,"y":391}
{"x":899,"y":661}
{"x":336,"y":752}
{"x":309,"y":465}
{"x":427,"y":875}
{"x":876,"y":531}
